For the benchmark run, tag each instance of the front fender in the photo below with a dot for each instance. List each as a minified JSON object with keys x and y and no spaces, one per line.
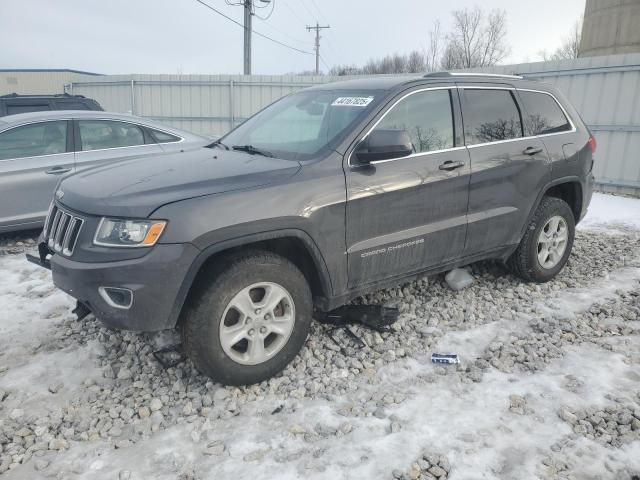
{"x":248,"y":240}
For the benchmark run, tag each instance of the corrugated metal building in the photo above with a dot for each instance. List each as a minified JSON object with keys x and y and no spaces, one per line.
{"x":610,"y":27}
{"x":36,"y":82}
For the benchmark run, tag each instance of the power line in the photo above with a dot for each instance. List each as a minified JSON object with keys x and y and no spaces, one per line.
{"x":293,"y":11}
{"x":325,"y":63}
{"x":281,"y":32}
{"x":307,"y":9}
{"x":257,"y":33}
{"x":319,"y":11}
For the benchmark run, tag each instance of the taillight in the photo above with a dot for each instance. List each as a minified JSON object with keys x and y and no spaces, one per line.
{"x":592,"y":144}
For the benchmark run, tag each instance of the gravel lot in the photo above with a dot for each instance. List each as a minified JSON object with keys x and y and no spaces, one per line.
{"x":548,"y":386}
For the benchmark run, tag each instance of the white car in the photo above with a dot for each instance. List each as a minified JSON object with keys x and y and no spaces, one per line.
{"x":38,"y":149}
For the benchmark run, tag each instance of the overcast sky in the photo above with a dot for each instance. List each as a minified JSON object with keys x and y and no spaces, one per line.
{"x":182,"y":36}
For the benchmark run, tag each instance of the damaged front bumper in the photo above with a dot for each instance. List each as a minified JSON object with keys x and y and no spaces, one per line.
{"x":140,"y":294}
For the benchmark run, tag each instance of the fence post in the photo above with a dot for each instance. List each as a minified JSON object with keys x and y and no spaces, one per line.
{"x":232,"y":119}
{"x":133,"y":98}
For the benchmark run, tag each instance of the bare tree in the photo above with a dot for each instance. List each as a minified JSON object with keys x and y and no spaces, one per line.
{"x":432,"y":55}
{"x":477,"y":39}
{"x":416,"y":62}
{"x":570,"y":47}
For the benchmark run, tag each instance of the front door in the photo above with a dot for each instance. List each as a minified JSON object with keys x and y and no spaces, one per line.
{"x":33,"y":159}
{"x":406,"y":214}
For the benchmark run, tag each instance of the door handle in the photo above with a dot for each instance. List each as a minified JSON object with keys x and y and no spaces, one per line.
{"x":532,"y":150}
{"x":57,"y":170}
{"x":449,"y":165}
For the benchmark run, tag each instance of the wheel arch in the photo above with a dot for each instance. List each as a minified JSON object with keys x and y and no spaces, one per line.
{"x":569,"y":189}
{"x":294,"y":244}
{"x":571,"y":192}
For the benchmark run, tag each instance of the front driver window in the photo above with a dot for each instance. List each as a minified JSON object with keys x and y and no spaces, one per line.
{"x":427,"y":118}
{"x":45,"y":138}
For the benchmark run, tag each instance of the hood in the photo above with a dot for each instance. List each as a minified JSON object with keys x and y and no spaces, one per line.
{"x":138,"y":186}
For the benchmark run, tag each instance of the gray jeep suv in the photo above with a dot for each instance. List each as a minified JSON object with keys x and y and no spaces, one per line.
{"x":327,"y":193}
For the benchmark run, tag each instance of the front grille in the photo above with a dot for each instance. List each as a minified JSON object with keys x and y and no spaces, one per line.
{"x":61,"y":230}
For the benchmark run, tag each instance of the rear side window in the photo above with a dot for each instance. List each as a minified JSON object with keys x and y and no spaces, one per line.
{"x":45,"y":138}
{"x":427,"y":118}
{"x":490,"y":116}
{"x":72,"y":106}
{"x":542,"y":114}
{"x":163,"y":137}
{"x":26,"y":108}
{"x":101,"y":134}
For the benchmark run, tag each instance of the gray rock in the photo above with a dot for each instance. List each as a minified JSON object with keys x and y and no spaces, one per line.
{"x":459,"y":278}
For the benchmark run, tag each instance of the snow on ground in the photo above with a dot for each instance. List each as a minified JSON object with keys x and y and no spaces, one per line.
{"x":611,"y":211}
{"x":548,"y":386}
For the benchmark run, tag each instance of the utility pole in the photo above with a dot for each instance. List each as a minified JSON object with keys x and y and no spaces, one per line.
{"x":317,"y":28}
{"x":248,"y":12}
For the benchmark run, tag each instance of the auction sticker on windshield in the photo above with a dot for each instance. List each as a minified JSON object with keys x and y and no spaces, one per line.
{"x":352,"y":101}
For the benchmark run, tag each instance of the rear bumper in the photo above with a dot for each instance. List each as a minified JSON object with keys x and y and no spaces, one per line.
{"x":154,"y":281}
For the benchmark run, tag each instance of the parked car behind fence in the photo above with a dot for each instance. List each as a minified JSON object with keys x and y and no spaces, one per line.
{"x":14,"y":104}
{"x":38,"y":149}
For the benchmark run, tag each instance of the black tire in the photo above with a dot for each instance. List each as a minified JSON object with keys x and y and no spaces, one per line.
{"x":524,"y":261}
{"x":202,"y":319}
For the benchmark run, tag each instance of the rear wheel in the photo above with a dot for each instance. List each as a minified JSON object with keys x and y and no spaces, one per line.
{"x":250,"y":321}
{"x":547,"y":243}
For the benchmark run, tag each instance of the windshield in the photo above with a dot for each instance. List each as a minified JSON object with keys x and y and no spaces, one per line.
{"x":302,"y":125}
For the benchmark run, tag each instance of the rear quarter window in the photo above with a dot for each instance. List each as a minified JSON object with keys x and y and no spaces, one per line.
{"x":542,"y":114}
{"x":26,"y":108}
{"x":72,"y":106}
{"x":163,"y":137}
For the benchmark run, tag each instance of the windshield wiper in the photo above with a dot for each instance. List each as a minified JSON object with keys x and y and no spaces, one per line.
{"x":218,"y":143}
{"x":253,"y":150}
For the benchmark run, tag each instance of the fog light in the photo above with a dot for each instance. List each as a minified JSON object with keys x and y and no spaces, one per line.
{"x":117,"y":297}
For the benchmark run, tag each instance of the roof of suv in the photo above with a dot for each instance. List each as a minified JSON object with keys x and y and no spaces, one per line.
{"x":390,"y":82}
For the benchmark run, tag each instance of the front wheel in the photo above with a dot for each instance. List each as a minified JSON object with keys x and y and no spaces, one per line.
{"x":547,"y":243}
{"x":250,"y":321}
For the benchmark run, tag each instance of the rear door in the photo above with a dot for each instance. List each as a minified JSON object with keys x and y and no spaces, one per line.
{"x":101,"y":141}
{"x":544,"y":117}
{"x":508,"y":169}
{"x":33,"y":158}
{"x":409,"y":213}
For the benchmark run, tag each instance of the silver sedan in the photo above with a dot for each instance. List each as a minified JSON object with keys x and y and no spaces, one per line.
{"x":38,"y":149}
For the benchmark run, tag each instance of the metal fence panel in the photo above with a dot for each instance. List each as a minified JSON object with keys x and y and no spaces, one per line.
{"x":605,"y":90}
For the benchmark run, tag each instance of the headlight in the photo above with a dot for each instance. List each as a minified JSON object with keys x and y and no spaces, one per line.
{"x":113,"y":232}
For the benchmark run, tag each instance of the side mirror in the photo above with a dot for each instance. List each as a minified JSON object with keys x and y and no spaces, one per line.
{"x":383,"y":145}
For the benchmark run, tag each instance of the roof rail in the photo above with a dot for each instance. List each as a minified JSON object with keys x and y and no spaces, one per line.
{"x":469,"y":74}
{"x":41,"y":95}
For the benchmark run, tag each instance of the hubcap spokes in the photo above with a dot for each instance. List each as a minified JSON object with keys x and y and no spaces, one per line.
{"x":257,"y":323}
{"x":552,"y":242}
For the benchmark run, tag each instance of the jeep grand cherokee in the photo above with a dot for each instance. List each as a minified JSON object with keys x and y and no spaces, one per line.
{"x":327,"y":193}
